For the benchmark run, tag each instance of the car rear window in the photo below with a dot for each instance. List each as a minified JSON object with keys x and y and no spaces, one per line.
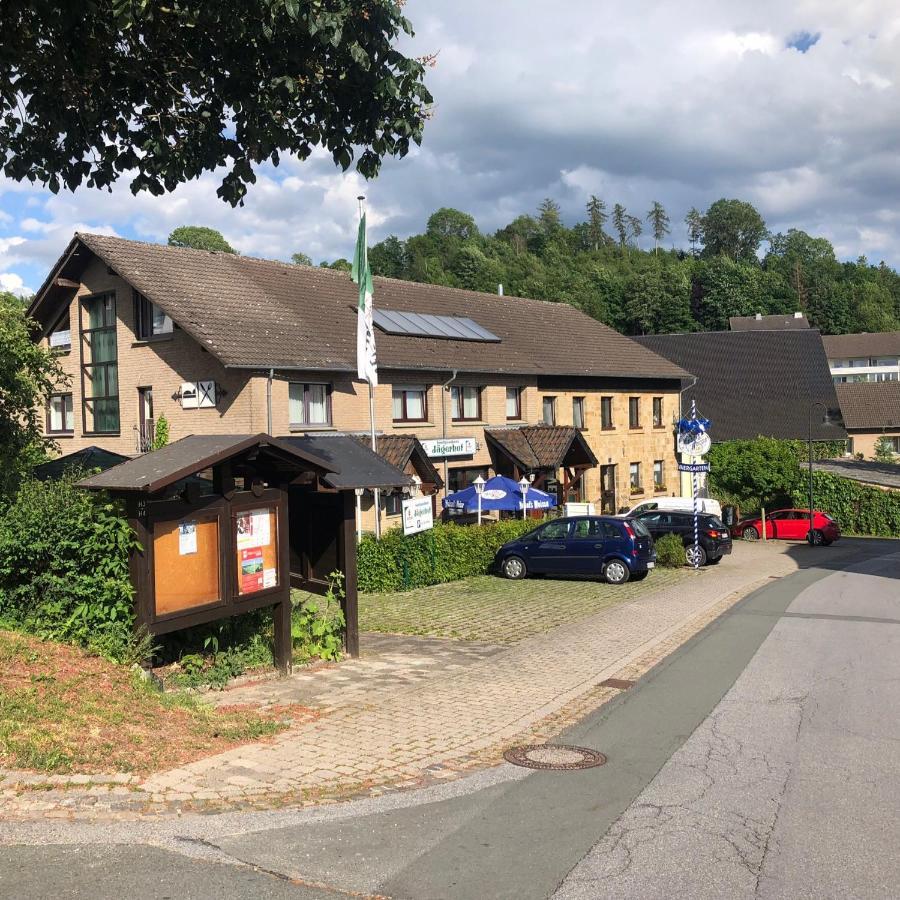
{"x":640,"y":528}
{"x":714,"y":522}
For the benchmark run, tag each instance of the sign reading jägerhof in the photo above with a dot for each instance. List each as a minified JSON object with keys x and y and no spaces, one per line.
{"x":443,"y":447}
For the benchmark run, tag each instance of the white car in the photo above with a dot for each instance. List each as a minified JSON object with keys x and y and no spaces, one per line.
{"x":681,"y":504}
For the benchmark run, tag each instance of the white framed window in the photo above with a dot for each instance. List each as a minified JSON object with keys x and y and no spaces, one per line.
{"x":548,"y":409}
{"x":578,"y":412}
{"x":659,"y":474}
{"x":635,"y":476}
{"x":309,"y":403}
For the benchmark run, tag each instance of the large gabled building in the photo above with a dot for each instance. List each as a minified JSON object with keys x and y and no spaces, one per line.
{"x":219,"y":343}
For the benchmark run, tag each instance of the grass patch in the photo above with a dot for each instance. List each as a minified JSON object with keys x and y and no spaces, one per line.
{"x":487,"y":608}
{"x":64,"y":711}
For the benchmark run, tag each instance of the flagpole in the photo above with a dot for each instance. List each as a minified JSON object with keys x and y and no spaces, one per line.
{"x":376,"y":493}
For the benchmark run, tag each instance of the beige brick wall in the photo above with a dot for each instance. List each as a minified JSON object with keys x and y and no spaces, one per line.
{"x":865,"y":442}
{"x":163,"y":364}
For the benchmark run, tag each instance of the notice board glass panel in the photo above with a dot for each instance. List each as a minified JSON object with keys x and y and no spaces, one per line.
{"x":186,"y":563}
{"x":256,"y":540}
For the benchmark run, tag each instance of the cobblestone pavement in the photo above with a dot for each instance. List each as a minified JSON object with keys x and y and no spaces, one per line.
{"x":492,"y":609}
{"x":435,"y":727}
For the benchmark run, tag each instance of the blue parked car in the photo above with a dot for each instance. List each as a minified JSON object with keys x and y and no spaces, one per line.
{"x":602,"y":546}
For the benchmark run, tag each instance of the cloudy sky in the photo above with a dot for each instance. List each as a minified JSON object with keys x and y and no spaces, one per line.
{"x":792,"y":106}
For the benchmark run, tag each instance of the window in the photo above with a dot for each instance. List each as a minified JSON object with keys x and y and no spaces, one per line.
{"x":578,"y":412}
{"x":60,"y":417}
{"x":554,"y":531}
{"x":60,"y":337}
{"x":657,"y":412}
{"x":513,"y":403}
{"x":659,"y":475}
{"x":606,"y":417}
{"x":635,"y":472}
{"x":549,"y":410}
{"x":893,"y":443}
{"x":99,"y":367}
{"x":393,"y":503}
{"x":409,"y":404}
{"x":309,"y":404}
{"x":634,"y":412}
{"x":149,"y":320}
{"x":465,"y":404}
{"x":457,"y":479}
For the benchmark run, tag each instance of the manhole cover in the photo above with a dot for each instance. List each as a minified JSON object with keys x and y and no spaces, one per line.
{"x":554,"y":756}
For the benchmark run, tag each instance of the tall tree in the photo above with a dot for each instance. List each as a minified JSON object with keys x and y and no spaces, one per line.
{"x":28,"y":375}
{"x":635,"y":228}
{"x":549,"y":216}
{"x":200,"y":238}
{"x":733,"y":228}
{"x":659,"y":223}
{"x":597,"y":216}
{"x":694,"y":222}
{"x":301,"y":259}
{"x":451,"y":223}
{"x":620,"y":223}
{"x":165,"y":91}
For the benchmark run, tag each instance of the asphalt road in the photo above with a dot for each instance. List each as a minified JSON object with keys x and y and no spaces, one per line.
{"x":760,"y":760}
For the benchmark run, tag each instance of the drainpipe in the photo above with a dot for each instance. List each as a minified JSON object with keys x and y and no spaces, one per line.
{"x":444,"y":388}
{"x":269,"y":400}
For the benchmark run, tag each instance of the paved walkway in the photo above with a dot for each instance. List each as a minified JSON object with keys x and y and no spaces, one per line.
{"x":445,"y":723}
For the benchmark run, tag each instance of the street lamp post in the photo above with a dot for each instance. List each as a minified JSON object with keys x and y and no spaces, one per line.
{"x":524,"y":484}
{"x":479,"y":487}
{"x":824,"y":409}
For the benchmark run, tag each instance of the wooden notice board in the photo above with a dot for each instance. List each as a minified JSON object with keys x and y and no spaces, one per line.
{"x":186,"y":563}
{"x":256,"y":544}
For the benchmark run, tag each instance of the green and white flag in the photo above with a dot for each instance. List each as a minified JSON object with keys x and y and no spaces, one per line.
{"x":366,"y":366}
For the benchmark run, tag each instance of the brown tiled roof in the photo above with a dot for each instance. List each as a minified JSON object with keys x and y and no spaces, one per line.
{"x":878,"y":343}
{"x":882,"y":474}
{"x":540,"y":446}
{"x":256,"y":313}
{"x":752,"y":383}
{"x":870,"y":404}
{"x":396,"y":449}
{"x":768,"y":323}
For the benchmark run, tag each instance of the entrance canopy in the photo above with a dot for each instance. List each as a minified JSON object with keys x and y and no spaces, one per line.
{"x":531,"y":448}
{"x":499,"y":493}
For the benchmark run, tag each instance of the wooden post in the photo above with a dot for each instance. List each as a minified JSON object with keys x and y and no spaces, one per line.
{"x":281,"y":613}
{"x":136,"y":510}
{"x":347,"y":564}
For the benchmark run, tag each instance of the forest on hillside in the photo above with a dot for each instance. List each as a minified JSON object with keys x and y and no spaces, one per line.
{"x":616,"y":267}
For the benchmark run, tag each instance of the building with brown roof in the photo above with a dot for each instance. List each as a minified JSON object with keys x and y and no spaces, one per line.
{"x":219,"y":343}
{"x":868,"y":356}
{"x":759,"y":322}
{"x":871,"y":410}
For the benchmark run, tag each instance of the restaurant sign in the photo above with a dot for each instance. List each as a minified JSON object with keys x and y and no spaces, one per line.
{"x":417,"y":515}
{"x":443,"y":447}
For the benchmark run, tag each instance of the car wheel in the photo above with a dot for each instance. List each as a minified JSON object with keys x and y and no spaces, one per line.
{"x":818,"y":539}
{"x":750,"y":533}
{"x":616,"y":572}
{"x":513,"y":567}
{"x":696,"y":556}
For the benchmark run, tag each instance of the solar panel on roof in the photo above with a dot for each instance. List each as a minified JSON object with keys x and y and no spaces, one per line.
{"x":454,"y":328}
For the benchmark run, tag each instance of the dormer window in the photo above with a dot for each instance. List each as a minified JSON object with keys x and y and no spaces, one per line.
{"x":149,"y":320}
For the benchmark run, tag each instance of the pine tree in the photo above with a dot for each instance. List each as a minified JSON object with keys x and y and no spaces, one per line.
{"x":659,"y":223}
{"x":548,"y":215}
{"x":635,"y":227}
{"x":597,"y":216}
{"x":694,"y":222}
{"x":619,"y":216}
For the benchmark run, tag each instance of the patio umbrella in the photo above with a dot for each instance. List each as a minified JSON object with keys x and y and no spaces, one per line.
{"x":500,"y":493}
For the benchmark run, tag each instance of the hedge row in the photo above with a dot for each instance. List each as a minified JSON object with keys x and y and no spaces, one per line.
{"x":447,"y":552}
{"x":857,"y":508}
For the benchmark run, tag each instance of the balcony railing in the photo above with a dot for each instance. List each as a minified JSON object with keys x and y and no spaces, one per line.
{"x":144,"y":435}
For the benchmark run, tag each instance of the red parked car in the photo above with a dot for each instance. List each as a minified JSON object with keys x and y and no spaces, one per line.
{"x":790,"y":525}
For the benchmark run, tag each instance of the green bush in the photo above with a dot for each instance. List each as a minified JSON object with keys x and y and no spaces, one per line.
{"x":447,"y":552}
{"x":64,"y":566}
{"x":857,"y":508}
{"x":670,"y":551}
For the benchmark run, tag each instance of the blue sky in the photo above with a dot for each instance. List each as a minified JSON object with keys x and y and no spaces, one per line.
{"x":790,"y":106}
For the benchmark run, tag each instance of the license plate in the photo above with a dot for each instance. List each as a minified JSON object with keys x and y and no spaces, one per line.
{"x":651,"y":565}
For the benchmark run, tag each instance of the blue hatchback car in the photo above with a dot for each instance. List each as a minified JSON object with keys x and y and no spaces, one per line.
{"x":603,"y":546}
